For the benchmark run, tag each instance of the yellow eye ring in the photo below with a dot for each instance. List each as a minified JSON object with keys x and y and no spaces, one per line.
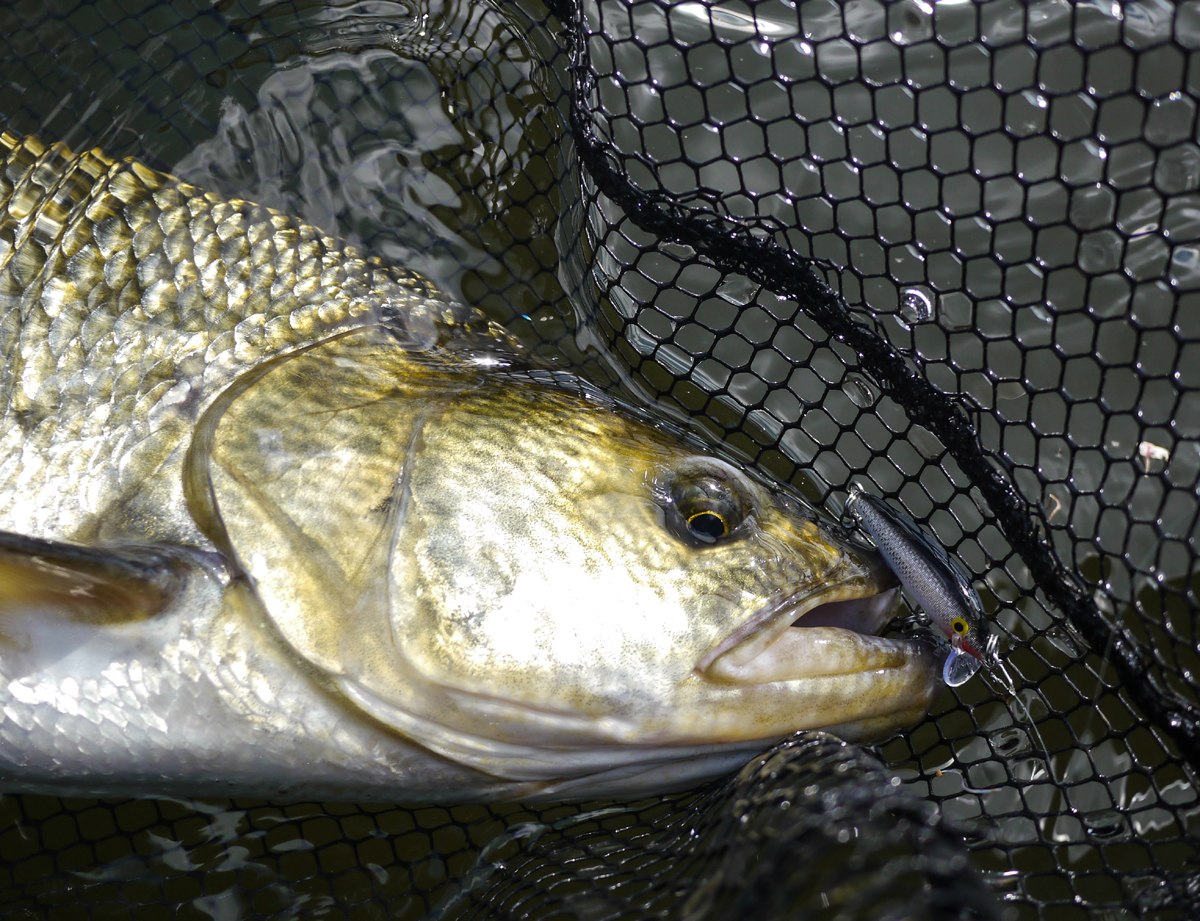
{"x":960,"y":626}
{"x":708,"y":525}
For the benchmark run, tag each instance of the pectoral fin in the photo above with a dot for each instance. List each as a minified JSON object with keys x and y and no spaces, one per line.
{"x":82,"y":584}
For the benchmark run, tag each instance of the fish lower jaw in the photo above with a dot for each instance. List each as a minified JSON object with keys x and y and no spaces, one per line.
{"x":817,"y":652}
{"x":540,"y":770}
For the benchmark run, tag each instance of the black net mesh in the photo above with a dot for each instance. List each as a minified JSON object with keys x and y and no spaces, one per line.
{"x":947,"y":250}
{"x":813,"y":828}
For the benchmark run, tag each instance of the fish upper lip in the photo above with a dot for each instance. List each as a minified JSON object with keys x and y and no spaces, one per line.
{"x":768,"y":614}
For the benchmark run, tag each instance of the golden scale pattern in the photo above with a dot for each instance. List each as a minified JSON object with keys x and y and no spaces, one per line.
{"x":142,"y":298}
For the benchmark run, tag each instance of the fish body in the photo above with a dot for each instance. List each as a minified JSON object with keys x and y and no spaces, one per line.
{"x":277,"y":519}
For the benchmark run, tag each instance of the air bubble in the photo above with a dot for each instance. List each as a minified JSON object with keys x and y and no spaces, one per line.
{"x":733,"y":19}
{"x":737,"y":289}
{"x":1064,"y":638}
{"x":916,"y":306}
{"x":860,"y":391}
{"x":926,"y":443}
{"x":1009,"y":743}
{"x":1185,"y":267}
{"x":1105,"y":824}
{"x":1001,"y":881}
{"x":678,"y":251}
{"x":1101,"y":252}
{"x":910,"y":21}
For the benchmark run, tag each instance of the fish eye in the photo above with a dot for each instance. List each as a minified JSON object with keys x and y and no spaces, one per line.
{"x":960,"y":626}
{"x":702,"y":507}
{"x":707,"y":525}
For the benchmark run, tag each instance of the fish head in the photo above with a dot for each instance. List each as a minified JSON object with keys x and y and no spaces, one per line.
{"x":541,"y":584}
{"x":593,"y":565}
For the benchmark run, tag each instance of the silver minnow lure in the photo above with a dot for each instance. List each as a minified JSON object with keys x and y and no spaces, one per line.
{"x":936,"y":581}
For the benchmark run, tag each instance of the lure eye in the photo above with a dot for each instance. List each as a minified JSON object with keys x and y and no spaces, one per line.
{"x":702,"y":506}
{"x":960,"y":626}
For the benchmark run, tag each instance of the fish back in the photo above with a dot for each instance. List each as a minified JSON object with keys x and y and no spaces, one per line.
{"x":128,"y":301}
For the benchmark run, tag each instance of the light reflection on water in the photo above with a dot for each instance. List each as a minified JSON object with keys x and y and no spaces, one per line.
{"x":426,"y":133}
{"x":233,"y":859}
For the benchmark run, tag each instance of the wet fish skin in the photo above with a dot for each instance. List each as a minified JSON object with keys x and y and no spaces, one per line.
{"x":129,"y":300}
{"x":394,"y":571}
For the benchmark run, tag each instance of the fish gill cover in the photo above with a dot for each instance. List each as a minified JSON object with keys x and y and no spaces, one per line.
{"x":950,"y":251}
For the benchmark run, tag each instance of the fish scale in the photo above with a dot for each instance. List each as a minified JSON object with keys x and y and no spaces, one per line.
{"x":117,"y":284}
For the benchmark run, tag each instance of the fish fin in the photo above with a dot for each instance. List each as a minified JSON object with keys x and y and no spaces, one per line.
{"x":83,"y":584}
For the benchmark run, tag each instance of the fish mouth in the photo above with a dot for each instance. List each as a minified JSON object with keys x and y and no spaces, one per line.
{"x":817,"y":631}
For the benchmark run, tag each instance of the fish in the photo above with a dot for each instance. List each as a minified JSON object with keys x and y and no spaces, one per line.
{"x":280,"y":519}
{"x":937,"y":581}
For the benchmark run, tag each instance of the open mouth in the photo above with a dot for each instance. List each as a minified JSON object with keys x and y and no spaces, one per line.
{"x":803,"y":636}
{"x":859,"y":615}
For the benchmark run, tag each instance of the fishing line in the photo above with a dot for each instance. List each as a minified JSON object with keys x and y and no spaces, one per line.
{"x":996,"y":664}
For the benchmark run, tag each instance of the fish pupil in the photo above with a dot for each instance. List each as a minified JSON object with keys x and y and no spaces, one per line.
{"x":707,"y":526}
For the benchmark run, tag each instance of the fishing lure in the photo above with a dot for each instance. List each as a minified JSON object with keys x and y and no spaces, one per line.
{"x":941,"y":586}
{"x":936,"y":581}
